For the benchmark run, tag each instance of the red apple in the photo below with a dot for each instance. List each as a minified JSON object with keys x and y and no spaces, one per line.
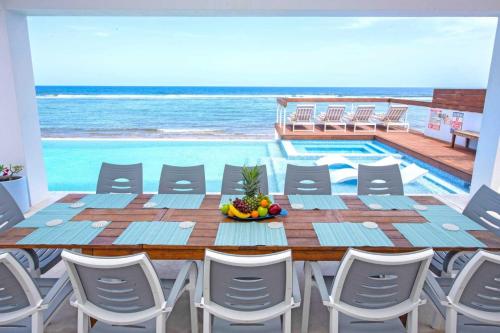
{"x":274,"y":209}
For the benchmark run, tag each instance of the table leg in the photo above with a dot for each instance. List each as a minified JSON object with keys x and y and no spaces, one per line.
{"x":453,"y":137}
{"x":467,"y":141}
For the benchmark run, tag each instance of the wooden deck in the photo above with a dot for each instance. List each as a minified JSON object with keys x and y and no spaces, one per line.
{"x":458,"y":161}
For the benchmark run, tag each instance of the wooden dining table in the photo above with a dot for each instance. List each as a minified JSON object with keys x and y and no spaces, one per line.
{"x":298,"y":224}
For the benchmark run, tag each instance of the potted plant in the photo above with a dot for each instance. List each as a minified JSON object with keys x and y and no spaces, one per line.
{"x":15,"y":184}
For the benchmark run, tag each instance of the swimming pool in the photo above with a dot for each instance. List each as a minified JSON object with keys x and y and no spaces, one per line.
{"x":73,"y":165}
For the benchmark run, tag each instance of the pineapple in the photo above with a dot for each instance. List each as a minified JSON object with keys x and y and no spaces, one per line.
{"x":251,"y":186}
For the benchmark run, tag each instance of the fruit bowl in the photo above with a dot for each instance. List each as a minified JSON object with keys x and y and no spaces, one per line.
{"x":252,"y":209}
{"x":253,"y":205}
{"x":260,"y":218}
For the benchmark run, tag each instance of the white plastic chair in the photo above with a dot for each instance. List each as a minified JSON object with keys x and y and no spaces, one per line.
{"x":303,"y":116}
{"x":27,"y":304}
{"x":370,"y":291}
{"x":333,"y":117}
{"x":471,"y":301}
{"x":125,"y":293}
{"x":247,"y":293}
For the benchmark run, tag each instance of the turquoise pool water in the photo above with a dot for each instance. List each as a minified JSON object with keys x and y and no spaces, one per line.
{"x":73,"y":165}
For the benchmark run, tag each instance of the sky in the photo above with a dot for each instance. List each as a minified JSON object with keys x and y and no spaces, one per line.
{"x":235,"y":51}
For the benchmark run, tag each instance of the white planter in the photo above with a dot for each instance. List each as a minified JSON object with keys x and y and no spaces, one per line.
{"x":18,"y":189}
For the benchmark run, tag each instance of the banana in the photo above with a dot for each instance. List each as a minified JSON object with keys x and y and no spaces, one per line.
{"x":237,"y":213}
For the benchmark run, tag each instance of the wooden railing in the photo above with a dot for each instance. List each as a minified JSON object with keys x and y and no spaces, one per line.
{"x":283,"y":101}
{"x":469,"y":100}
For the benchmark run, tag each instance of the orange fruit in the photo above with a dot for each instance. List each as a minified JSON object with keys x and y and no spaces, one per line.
{"x":254,"y":214}
{"x":264,"y":203}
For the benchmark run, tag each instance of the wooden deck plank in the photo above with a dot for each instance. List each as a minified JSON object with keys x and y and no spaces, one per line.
{"x":458,"y":161}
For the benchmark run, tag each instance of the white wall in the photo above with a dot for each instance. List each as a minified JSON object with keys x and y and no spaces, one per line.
{"x":487,"y":164}
{"x":471,"y":122}
{"x":19,"y":125}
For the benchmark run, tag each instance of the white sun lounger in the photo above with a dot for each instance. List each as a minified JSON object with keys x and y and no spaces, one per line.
{"x":409,"y":174}
{"x":303,"y":116}
{"x":333,"y":117}
{"x":362,"y":118}
{"x":341,"y":160}
{"x":395,"y":116}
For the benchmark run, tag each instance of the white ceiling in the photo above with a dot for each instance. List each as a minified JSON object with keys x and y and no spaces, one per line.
{"x":256,"y":7}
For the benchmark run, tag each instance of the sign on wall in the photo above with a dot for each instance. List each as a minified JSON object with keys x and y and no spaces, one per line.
{"x":435,"y":116}
{"x":457,"y":120}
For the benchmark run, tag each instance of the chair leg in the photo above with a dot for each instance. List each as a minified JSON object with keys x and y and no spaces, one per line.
{"x":207,"y":322}
{"x":334,"y":321}
{"x":161,"y":323}
{"x":83,"y":322}
{"x":287,"y":322}
{"x":37,"y":322}
{"x":306,"y":306}
{"x":451,"y":321}
{"x":412,"y":322}
{"x":192,"y":307}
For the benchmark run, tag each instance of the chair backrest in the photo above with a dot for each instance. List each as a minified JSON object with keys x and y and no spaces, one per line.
{"x":395,"y":113}
{"x":366,"y":282}
{"x":484,"y":208}
{"x":335,"y":112}
{"x":182,"y":180}
{"x":363,"y":112}
{"x":10,"y":214}
{"x":304,"y":112}
{"x":117,"y":178}
{"x":115,"y":285}
{"x":18,"y":293}
{"x":232,"y":180}
{"x":307,"y":179}
{"x":380,"y":180}
{"x":245,"y":284}
{"x":475,"y":290}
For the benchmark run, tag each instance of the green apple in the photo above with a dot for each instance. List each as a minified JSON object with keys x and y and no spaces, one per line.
{"x":262,"y":211}
{"x":224,"y":209}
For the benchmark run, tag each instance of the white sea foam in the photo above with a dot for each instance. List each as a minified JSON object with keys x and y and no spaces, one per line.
{"x":188,"y":130}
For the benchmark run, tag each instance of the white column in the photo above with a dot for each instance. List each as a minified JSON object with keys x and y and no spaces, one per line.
{"x":487,"y":164}
{"x":19,"y":125}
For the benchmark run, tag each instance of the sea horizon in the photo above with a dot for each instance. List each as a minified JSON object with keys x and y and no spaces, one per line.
{"x":205,"y":112}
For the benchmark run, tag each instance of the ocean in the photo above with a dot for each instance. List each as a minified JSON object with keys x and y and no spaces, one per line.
{"x":182,"y":112}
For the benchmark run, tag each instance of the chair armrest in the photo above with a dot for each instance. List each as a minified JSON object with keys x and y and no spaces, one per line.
{"x":320,"y":282}
{"x":199,"y":285}
{"x":188,"y":271}
{"x":297,"y":299}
